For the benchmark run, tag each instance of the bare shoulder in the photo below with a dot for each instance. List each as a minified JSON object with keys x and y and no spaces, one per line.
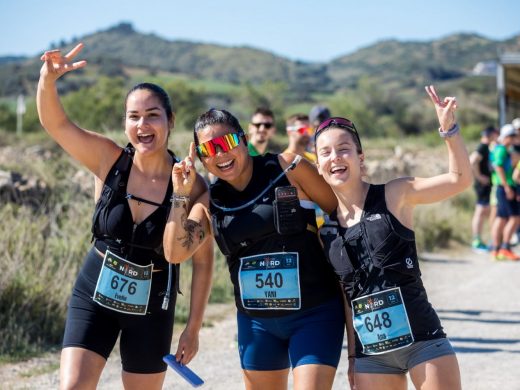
{"x":110,"y":154}
{"x":396,"y":190}
{"x":397,"y":202}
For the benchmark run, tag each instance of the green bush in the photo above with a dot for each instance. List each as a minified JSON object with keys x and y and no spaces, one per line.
{"x":99,"y":107}
{"x":7,"y":118}
{"x":437,"y":225}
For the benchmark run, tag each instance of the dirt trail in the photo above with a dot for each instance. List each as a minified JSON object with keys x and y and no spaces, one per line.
{"x":476,"y":298}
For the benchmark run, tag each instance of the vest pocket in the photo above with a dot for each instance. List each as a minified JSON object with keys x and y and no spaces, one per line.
{"x":339,"y":258}
{"x":394,"y":254}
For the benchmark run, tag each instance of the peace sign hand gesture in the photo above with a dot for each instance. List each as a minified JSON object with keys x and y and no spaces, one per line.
{"x":445,"y":108}
{"x":184,"y":174}
{"x":55,"y":65}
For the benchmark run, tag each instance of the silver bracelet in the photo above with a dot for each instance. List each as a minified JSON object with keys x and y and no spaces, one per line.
{"x":451,"y":132}
{"x":179,"y":200}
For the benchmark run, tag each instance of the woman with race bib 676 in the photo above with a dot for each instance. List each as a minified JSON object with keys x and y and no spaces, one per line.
{"x":126,"y":288}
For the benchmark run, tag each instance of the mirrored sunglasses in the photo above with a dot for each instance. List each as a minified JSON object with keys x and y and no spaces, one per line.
{"x":300,"y":129}
{"x":225,"y":142}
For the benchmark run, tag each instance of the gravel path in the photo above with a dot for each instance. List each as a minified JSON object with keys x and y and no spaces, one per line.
{"x":477,"y":300}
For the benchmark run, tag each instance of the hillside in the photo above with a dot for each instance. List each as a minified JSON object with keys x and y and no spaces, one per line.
{"x":451,"y":57}
{"x":404,"y":63}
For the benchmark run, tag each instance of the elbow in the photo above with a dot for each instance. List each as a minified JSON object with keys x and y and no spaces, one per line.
{"x":176,"y":254}
{"x":462,"y":181}
{"x":173,"y":259}
{"x":467,"y":180}
{"x":171,"y":255}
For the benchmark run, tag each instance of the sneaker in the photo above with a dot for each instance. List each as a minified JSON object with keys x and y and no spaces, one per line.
{"x":494,"y":255}
{"x":479,"y":246}
{"x":507,"y":254}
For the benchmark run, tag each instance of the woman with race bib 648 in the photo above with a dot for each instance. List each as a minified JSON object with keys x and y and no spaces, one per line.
{"x":370,"y":243}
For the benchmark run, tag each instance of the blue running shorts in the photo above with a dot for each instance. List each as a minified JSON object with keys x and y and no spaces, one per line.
{"x":311,"y":336}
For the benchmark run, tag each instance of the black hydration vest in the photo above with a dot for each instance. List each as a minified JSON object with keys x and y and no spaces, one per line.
{"x":112,"y":225}
{"x":251,"y":231}
{"x":377,"y":254}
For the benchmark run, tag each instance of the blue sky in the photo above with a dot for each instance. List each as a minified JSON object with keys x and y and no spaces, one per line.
{"x":306,"y":30}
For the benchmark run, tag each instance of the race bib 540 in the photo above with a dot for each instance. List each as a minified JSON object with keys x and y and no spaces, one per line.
{"x":270,"y":281}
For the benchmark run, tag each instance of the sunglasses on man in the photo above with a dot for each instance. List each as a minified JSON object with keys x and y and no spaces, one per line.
{"x":267,"y":125}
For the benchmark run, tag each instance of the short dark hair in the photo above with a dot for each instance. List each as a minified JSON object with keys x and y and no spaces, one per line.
{"x":296,"y":117}
{"x":214,"y":117}
{"x":263,"y":111}
{"x":488,"y":131}
{"x":319,"y":113}
{"x":158,"y":92}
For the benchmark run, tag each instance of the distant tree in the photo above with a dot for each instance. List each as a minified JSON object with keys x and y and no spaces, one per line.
{"x":188,"y":103}
{"x":98,"y":107}
{"x":271,"y":94}
{"x":7,"y":118}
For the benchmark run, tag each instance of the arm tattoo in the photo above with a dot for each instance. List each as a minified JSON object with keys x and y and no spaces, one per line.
{"x":191,"y":228}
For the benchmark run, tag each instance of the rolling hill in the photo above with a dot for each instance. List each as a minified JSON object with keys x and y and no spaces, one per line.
{"x":120,"y":47}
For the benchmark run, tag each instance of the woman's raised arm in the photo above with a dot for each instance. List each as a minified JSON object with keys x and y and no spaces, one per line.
{"x":93,"y":150}
{"x":188,"y":224}
{"x":414,"y":190}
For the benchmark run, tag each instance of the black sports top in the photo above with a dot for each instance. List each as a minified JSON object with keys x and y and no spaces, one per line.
{"x":485,"y":165}
{"x":377,"y":254}
{"x":113,"y":226}
{"x":251,"y":231}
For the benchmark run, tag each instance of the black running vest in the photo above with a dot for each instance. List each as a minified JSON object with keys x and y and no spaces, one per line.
{"x":251,"y":231}
{"x":112,"y":224}
{"x":379,"y":253}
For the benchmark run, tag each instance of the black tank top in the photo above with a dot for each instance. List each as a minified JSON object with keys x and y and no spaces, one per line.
{"x":251,"y":231}
{"x":379,"y":253}
{"x":113,"y":226}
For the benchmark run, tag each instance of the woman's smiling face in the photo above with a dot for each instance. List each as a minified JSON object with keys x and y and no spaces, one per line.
{"x":229,"y":165}
{"x":146,"y":122}
{"x":338,"y":158}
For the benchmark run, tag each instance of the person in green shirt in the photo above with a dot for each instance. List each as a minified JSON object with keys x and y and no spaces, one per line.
{"x":261,"y":129}
{"x":508,"y":207}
